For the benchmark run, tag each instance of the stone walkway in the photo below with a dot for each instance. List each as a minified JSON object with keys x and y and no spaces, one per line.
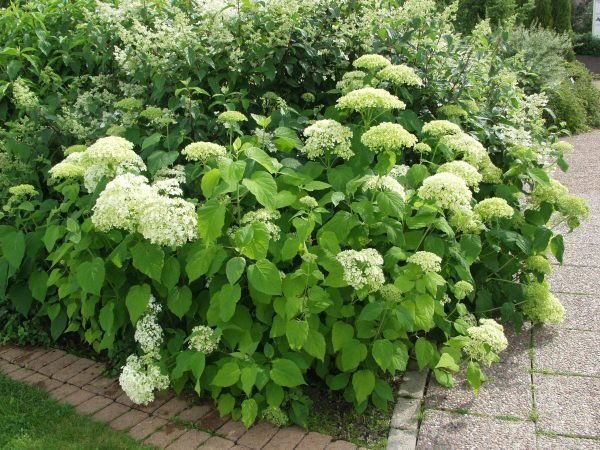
{"x":169,"y":422}
{"x":545,"y":394}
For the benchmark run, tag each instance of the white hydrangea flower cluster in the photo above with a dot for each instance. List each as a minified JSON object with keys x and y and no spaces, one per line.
{"x":485,"y":341}
{"x":371,"y":62}
{"x":391,"y":293}
{"x":23,"y":97}
{"x":440,"y":128}
{"x":466,"y":221}
{"x":140,"y":377}
{"x":462,"y":289}
{"x":422,"y":148}
{"x":309,"y":201}
{"x":148,"y":332}
{"x":541,"y":306}
{"x":328,"y":138}
{"x":389,"y":137}
{"x":203,"y":151}
{"x":492,"y":208}
{"x":362,"y":269}
{"x":266,"y":217}
{"x":464,"y":170}
{"x":106,"y":158}
{"x":539,"y":264}
{"x":400,"y":75}
{"x":562,"y":147}
{"x":231,"y":117}
{"x":128,"y":202}
{"x":383,"y":183}
{"x":351,"y":81}
{"x":204,"y":339}
{"x":448,"y":190}
{"x":22,"y":190}
{"x":427,"y":261}
{"x":369,"y":98}
{"x":399,"y":171}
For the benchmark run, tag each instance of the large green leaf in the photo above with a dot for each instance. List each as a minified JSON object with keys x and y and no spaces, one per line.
{"x":341,"y":333}
{"x":315,"y":345}
{"x":148,"y":259}
{"x":382,"y":350}
{"x":249,"y":411}
{"x":13,"y":248}
{"x":211,"y":218}
{"x":228,"y":375}
{"x":286,"y":373}
{"x":137,"y":301}
{"x":353,"y":353}
{"x":179,"y":300}
{"x":90,"y":276}
{"x":363,"y":382}
{"x":235,"y":268}
{"x":296,"y":332}
{"x":264,"y":277}
{"x":263,"y":187}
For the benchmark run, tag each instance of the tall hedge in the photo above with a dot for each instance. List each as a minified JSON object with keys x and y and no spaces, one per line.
{"x":543,"y":13}
{"x":562,"y":12}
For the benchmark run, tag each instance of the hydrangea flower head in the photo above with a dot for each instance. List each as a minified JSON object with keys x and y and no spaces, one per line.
{"x":169,"y":222}
{"x":362,"y":269}
{"x":422,"y":148}
{"x":383,"y":183}
{"x":541,"y":306}
{"x":148,"y":332}
{"x":440,"y":128}
{"x":447,"y":190}
{"x":368,"y":98}
{"x":231,"y":117}
{"x":427,"y":261}
{"x":351,"y":81}
{"x":328,"y":138}
{"x":462,"y":289}
{"x":74,"y":149}
{"x":400,"y":75}
{"x":485,"y":341}
{"x":371,"y":62}
{"x":492,"y":208}
{"x":22,"y":190}
{"x":140,"y":377}
{"x":539,"y":264}
{"x":388,"y":137}
{"x":204,"y":339}
{"x":203,"y":151}
{"x":464,"y":170}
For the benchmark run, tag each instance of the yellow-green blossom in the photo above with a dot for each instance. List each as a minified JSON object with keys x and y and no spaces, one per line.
{"x":462,"y":289}
{"x":464,"y":170}
{"x":539,"y":264}
{"x":429,"y":262}
{"x":203,"y":151}
{"x":368,"y":98}
{"x":492,"y":208}
{"x":328,"y":138}
{"x":540,"y":305}
{"x":441,"y":128}
{"x":447,"y":190}
{"x":371,"y":62}
{"x":22,"y":190}
{"x":231,"y":117}
{"x":485,"y":341}
{"x":388,"y":136}
{"x":400,"y":75}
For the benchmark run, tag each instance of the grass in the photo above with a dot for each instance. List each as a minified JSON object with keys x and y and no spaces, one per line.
{"x":30,"y":419}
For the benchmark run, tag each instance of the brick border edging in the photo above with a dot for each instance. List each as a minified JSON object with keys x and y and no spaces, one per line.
{"x":79,"y":383}
{"x":404,"y":427}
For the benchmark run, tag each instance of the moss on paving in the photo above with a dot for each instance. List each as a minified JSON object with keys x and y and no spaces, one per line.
{"x":31,"y":420}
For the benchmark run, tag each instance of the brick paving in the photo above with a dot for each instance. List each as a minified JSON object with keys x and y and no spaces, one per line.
{"x":169,"y":422}
{"x":544,"y":392}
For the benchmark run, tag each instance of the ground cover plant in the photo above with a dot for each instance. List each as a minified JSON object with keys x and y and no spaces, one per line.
{"x":325,"y":217}
{"x":31,"y":420}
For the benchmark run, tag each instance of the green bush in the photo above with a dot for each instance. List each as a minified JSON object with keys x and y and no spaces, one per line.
{"x":586,"y":44}
{"x":582,"y":16}
{"x":241,"y":213}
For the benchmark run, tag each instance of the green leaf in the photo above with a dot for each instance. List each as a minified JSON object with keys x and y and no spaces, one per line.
{"x":286,"y":373}
{"x":228,"y":297}
{"x":235,"y":268}
{"x":38,"y":285}
{"x":159,"y":159}
{"x":447,"y":362}
{"x":151,"y":141}
{"x":179,"y":300}
{"x":341,"y":333}
{"x":171,"y":272}
{"x":264,"y":277}
{"x":296,"y":332}
{"x":211,"y":218}
{"x":557,"y":245}
{"x":199,"y":262}
{"x":189,"y":361}
{"x":275,"y":394}
{"x":261,"y":157}
{"x":148,"y":259}
{"x":137,"y":301}
{"x":382,"y":350}
{"x":253,"y":240}
{"x":107,"y":317}
{"x":58,"y":325}
{"x":363,"y":382}
{"x":53,"y":233}
{"x":90,"y":276}
{"x":391,"y":203}
{"x":248,"y":378}
{"x":226,"y":404}
{"x":13,"y":248}
{"x":315,"y":345}
{"x":353,"y":353}
{"x":475,"y":376}
{"x":425,"y":352}
{"x":21,"y":298}
{"x":249,"y":411}
{"x":263,"y":187}
{"x":209,"y":182}
{"x":470,"y":245}
{"x":228,"y":375}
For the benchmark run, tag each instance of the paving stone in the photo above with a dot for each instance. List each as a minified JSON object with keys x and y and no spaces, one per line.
{"x":59,"y":364}
{"x":110,"y":413}
{"x":212,"y":421}
{"x":406,"y":413}
{"x":567,"y":351}
{"x":167,"y":434}
{"x":238,"y":447}
{"x":195,"y":413}
{"x":45,"y":359}
{"x":190,"y":440}
{"x":257,"y":436}
{"x":217,"y":443}
{"x":93,"y":405}
{"x":30,"y":356}
{"x":62,"y":391}
{"x":77,"y":397}
{"x":579,"y":253}
{"x":20,"y":374}
{"x":566,"y":443}
{"x":232,"y":430}
{"x":35,"y":378}
{"x":8,"y":367}
{"x":159,"y":399}
{"x":341,"y":445}
{"x":14,"y":353}
{"x":575,"y":279}
{"x":123,"y":399}
{"x":314,"y":441}
{"x":146,"y":427}
{"x":449,"y":431}
{"x":108,"y":387}
{"x":285,"y":439}
{"x":581,"y":311}
{"x":171,"y":408}
{"x":568,"y":405}
{"x":413,"y":384}
{"x":87,"y":375}
{"x":70,"y":371}
{"x":128,"y":420}
{"x":402,"y":439}
{"x":506,"y":393}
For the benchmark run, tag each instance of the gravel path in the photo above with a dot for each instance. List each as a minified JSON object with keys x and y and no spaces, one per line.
{"x":545,"y":394}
